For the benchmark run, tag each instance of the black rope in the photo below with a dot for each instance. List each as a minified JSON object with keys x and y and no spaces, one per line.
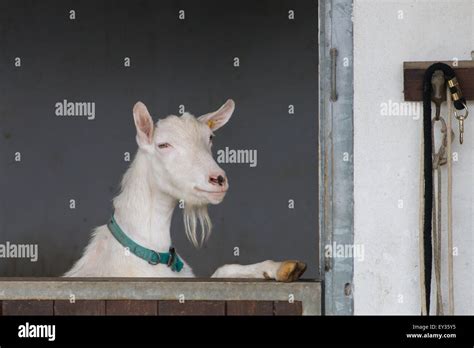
{"x":428,"y":167}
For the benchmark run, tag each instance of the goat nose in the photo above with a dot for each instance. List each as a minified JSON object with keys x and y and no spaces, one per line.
{"x":220,"y":180}
{"x":217,"y":179}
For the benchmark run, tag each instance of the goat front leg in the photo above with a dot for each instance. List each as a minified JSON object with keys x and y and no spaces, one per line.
{"x":285,"y":271}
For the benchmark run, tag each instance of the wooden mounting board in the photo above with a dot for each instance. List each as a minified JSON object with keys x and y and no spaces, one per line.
{"x":413,"y":78}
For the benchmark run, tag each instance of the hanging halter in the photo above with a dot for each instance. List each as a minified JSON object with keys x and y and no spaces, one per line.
{"x":459,"y":102}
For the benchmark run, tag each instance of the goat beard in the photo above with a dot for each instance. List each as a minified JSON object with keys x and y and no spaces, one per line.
{"x":193,"y":216}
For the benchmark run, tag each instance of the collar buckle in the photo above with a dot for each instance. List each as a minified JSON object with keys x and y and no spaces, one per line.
{"x":154,"y":259}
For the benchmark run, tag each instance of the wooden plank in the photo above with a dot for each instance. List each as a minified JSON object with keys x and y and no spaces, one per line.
{"x":191,"y":308}
{"x":413,"y":78}
{"x":249,"y":308}
{"x":307,"y":291}
{"x":137,"y":279}
{"x":287,"y":308}
{"x":27,"y":307}
{"x":131,"y":307}
{"x":79,"y":307}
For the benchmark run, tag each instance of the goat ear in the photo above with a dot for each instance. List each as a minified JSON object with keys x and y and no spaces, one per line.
{"x":143,"y":123}
{"x":217,"y":119}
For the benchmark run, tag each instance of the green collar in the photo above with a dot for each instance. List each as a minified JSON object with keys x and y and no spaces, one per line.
{"x":171,"y":259}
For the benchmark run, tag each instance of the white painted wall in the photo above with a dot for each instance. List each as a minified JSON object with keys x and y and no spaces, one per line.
{"x":386,"y":157}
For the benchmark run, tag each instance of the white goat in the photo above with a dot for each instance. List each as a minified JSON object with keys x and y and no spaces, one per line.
{"x":173,"y":162}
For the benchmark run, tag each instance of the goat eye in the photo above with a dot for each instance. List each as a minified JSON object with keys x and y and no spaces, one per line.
{"x":164,"y":145}
{"x":211,"y":137}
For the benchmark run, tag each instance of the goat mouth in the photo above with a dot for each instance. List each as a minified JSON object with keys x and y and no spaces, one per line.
{"x":211,"y":192}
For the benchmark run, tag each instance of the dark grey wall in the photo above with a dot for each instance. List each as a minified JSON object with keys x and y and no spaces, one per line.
{"x":173,"y":62}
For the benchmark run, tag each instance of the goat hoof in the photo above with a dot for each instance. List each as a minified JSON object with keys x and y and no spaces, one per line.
{"x":290,"y":271}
